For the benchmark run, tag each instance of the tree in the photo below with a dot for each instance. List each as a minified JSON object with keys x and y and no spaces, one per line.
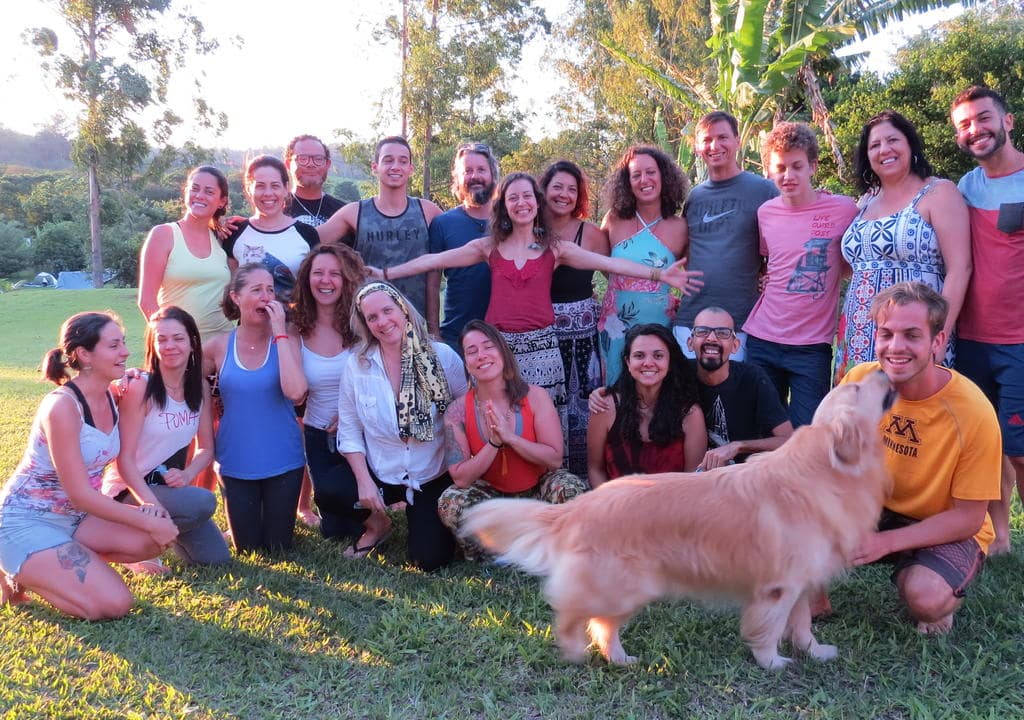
{"x":454,"y":76}
{"x":110,"y":92}
{"x":15,"y":253}
{"x":982,"y":46}
{"x":762,"y":57}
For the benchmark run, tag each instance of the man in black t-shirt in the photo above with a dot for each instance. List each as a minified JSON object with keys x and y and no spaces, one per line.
{"x":309,"y":161}
{"x":741,"y":407}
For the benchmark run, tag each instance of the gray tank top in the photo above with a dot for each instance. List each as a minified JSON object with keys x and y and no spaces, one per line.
{"x":385,"y":241}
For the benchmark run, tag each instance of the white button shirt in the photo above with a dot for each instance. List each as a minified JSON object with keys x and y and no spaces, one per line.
{"x":368,"y":421}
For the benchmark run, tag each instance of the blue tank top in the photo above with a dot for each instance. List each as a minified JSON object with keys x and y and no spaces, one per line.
{"x":258,"y":435}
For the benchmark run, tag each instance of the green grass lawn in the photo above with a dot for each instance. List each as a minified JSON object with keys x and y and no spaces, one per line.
{"x":311,"y":635}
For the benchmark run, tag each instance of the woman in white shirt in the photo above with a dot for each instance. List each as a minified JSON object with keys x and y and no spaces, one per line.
{"x":395,"y":387}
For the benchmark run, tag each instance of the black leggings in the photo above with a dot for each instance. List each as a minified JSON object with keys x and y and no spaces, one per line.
{"x":261,"y":513}
{"x":431,"y":545}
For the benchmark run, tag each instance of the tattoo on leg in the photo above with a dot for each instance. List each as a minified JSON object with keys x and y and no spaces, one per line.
{"x":73,"y":556}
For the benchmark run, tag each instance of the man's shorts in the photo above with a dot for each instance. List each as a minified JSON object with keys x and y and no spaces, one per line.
{"x":958,"y":563}
{"x":682,"y":334}
{"x":999,"y":371}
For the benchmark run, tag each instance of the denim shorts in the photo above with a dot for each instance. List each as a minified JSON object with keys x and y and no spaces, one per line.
{"x":24,"y":532}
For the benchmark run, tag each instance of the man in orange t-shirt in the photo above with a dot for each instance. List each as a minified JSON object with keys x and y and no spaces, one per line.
{"x":944,"y":453}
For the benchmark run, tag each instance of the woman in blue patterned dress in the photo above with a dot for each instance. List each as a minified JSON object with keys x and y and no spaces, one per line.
{"x":911,"y":226}
{"x":645,"y":192}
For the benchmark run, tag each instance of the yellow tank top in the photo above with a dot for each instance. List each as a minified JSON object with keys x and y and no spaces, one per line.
{"x":196,"y":285}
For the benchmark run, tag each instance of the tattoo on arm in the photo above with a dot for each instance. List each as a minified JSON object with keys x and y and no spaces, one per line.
{"x":73,"y":556}
{"x":453,"y":454}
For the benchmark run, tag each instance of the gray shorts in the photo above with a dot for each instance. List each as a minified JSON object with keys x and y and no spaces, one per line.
{"x":24,"y":532}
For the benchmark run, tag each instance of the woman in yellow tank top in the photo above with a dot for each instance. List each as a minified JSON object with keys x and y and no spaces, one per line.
{"x":183,"y":263}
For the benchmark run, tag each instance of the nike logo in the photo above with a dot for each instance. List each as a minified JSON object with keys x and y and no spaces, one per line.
{"x":712,"y":218}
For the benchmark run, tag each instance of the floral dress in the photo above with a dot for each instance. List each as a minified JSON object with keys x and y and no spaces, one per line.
{"x":883,"y":252}
{"x":634,"y":301}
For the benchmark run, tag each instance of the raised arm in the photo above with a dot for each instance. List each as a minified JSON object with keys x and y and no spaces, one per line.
{"x":675,"y":275}
{"x":293,"y":380}
{"x":152,"y":265}
{"x":471,"y":253}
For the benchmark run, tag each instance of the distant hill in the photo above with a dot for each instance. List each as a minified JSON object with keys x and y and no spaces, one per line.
{"x":46,"y":150}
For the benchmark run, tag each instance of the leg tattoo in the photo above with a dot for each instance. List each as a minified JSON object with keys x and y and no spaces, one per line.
{"x":73,"y":556}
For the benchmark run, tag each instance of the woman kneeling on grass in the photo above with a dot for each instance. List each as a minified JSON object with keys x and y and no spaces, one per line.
{"x":653,"y":423}
{"x":160,"y":419}
{"x":395,"y":386}
{"x":56,"y":527}
{"x":503,"y":439}
{"x":259,"y":444}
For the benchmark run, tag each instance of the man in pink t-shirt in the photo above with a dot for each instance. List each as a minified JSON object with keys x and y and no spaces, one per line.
{"x":990,"y":346}
{"x":791,"y":328}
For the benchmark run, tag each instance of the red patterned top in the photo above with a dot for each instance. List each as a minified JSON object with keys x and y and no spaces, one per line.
{"x":521,"y":297}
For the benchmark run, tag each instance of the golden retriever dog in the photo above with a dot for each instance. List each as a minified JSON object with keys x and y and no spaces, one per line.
{"x":768,"y":534}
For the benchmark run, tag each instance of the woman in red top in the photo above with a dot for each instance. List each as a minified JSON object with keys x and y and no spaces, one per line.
{"x":503,"y":439}
{"x":655,"y":423}
{"x":522,"y":257}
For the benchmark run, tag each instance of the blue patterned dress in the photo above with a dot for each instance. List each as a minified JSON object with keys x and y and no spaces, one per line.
{"x":883,"y":252}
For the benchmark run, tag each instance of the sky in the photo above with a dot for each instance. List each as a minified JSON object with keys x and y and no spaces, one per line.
{"x":324,"y":75}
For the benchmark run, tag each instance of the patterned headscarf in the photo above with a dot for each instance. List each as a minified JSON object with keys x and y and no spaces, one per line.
{"x":423,"y":379}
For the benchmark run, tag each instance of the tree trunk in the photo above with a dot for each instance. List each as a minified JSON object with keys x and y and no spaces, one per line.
{"x":428,"y":119}
{"x":94,"y":227}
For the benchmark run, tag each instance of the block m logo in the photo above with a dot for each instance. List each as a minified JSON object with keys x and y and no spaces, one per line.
{"x":905,"y":428}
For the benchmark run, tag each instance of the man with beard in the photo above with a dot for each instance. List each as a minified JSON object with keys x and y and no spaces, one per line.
{"x":309,"y":161}
{"x":742,"y":410}
{"x":990,"y":343}
{"x":390,"y":228}
{"x":468,"y":290}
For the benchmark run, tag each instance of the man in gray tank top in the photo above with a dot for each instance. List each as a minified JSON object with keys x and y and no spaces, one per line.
{"x":391,"y":227}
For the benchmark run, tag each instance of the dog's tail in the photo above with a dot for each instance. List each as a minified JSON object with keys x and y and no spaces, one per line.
{"x":518,"y":531}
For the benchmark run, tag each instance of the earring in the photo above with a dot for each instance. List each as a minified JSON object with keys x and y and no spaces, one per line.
{"x":191,"y":359}
{"x":538,"y":231}
{"x":506,"y":225}
{"x":915,"y":159}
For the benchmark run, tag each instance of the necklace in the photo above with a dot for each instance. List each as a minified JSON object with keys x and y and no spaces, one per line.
{"x":308,"y":211}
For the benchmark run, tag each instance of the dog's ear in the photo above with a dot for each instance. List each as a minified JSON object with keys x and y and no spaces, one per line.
{"x":847,"y":442}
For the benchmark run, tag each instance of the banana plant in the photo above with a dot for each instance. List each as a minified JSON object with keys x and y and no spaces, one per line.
{"x":760,"y":50}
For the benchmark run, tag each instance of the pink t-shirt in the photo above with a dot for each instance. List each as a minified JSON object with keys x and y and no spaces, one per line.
{"x":799,"y":304}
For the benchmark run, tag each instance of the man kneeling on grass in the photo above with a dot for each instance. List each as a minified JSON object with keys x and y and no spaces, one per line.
{"x":944,"y":453}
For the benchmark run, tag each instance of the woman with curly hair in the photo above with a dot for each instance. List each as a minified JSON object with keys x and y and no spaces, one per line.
{"x":523,"y":255}
{"x":654,"y":423}
{"x":645,"y":192}
{"x":321,"y":326}
{"x":567,"y":204}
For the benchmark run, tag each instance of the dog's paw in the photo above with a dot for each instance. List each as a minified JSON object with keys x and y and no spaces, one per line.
{"x":622,"y":659}
{"x":774,"y":662}
{"x":575,"y":656}
{"x":823,"y":652}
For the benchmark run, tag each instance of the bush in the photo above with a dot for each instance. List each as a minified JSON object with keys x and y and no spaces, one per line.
{"x":15,"y":250}
{"x":60,"y":246}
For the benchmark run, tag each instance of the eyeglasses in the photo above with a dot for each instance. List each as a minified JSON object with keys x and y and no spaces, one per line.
{"x":314,"y":160}
{"x":474,"y":148}
{"x":722,"y":333}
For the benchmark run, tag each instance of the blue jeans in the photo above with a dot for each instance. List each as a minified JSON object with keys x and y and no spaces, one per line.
{"x":801,"y":373}
{"x":334,"y":486}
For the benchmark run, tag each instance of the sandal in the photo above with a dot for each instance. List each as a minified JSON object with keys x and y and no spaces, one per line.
{"x":148,"y":567}
{"x":361,"y":551}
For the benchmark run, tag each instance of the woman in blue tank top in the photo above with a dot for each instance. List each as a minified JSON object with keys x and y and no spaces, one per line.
{"x":259,"y":444}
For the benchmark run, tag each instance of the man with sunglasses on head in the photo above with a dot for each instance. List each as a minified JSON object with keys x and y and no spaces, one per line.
{"x":309,"y":162}
{"x":468,"y":290}
{"x":742,"y":410}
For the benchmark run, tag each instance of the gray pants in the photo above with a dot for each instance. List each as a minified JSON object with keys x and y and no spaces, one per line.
{"x":191,"y":508}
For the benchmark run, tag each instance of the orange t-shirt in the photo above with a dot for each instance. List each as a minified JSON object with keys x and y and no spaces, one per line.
{"x":943,"y":447}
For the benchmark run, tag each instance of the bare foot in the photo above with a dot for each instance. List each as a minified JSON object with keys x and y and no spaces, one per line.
{"x":307,"y":517}
{"x":939,"y":627}
{"x":999,"y":546}
{"x":11,"y":592}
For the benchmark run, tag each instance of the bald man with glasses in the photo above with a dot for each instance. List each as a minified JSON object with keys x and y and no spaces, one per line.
{"x":742,"y":410}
